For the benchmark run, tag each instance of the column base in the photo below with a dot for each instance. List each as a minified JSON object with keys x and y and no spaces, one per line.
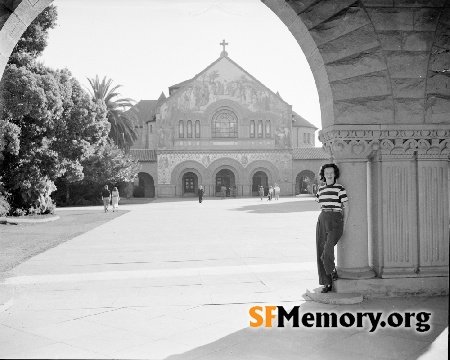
{"x":377,"y":287}
{"x":356,"y":273}
{"x":431,"y":271}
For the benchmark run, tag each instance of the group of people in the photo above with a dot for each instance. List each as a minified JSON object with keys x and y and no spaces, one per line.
{"x":110,"y":197}
{"x":274,"y":192}
{"x":224,"y":191}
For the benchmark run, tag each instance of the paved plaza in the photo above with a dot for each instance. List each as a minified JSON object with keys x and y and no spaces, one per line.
{"x":176,"y":279}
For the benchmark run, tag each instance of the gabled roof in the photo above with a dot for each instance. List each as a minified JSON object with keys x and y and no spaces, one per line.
{"x":309,"y":153}
{"x":186,"y":82}
{"x":298,"y":121}
{"x":175,"y":87}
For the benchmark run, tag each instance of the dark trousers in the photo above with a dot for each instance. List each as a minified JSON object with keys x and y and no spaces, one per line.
{"x":200,"y":198}
{"x":328,"y":232}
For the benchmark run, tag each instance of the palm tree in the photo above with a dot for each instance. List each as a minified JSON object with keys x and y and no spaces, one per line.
{"x":122,"y":122}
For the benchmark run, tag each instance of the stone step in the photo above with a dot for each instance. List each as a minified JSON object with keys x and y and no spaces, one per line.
{"x":333,"y":298}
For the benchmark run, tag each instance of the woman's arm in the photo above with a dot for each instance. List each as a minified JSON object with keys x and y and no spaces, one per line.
{"x":346,"y":210}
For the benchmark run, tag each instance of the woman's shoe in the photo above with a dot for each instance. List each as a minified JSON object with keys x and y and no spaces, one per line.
{"x":334,"y":275}
{"x":326,"y":288}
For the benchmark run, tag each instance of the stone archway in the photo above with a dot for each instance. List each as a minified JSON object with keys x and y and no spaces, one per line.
{"x":189,"y":183}
{"x":381,"y":70}
{"x":176,"y":177}
{"x":145,"y":186}
{"x":260,"y":178}
{"x":304,"y":182}
{"x":225,"y":175}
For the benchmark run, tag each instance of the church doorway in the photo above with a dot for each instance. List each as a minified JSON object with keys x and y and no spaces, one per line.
{"x":304,"y":183}
{"x":260,"y":178}
{"x":190,"y":184}
{"x":145,"y":187}
{"x":225,"y":177}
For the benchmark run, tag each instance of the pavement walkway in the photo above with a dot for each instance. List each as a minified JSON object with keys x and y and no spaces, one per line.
{"x":175,"y":279}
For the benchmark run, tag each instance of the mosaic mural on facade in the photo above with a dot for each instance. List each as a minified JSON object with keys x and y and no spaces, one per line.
{"x":224,"y":80}
{"x":168,"y":162}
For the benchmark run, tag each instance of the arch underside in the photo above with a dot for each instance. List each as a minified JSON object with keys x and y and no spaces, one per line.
{"x":373,"y":64}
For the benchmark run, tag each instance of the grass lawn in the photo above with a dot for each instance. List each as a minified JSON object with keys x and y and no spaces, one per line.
{"x":25,"y":240}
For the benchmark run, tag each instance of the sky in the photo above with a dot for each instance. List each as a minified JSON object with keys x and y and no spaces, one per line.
{"x":148,"y":45}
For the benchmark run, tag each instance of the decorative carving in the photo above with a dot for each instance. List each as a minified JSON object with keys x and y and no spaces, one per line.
{"x":167,"y":161}
{"x":398,"y":143}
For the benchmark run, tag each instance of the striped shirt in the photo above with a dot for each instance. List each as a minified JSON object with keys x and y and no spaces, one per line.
{"x":331,"y":196}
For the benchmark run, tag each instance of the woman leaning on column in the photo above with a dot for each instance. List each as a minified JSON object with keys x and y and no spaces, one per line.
{"x":333,"y":201}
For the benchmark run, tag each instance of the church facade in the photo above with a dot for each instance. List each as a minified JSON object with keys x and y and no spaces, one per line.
{"x":223,"y":128}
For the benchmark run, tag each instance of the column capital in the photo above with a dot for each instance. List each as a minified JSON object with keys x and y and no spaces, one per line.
{"x":386,"y":141}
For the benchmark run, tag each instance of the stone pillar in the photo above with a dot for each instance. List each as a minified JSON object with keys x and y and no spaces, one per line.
{"x":394,"y":214}
{"x":247,"y":190}
{"x":209,"y":189}
{"x":351,"y":156}
{"x":404,"y":219}
{"x":352,"y":248}
{"x":433,"y":214}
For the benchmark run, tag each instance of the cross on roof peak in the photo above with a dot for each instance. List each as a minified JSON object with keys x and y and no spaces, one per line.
{"x":223,"y":43}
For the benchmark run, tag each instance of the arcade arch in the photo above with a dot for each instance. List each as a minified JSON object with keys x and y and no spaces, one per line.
{"x":260,"y":178}
{"x":145,"y":187}
{"x":304,"y":182}
{"x":189,"y":183}
{"x":225,"y":175}
{"x":375,"y":111}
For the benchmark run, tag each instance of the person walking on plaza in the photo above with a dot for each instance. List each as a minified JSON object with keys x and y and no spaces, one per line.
{"x":200,"y":194}
{"x":106,"y":197}
{"x":115,"y":199}
{"x":261,"y":192}
{"x":276,"y":191}
{"x":270,"y":194}
{"x":333,"y":201}
{"x":234,"y":191}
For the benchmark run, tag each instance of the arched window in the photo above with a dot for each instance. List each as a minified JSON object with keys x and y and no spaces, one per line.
{"x":181,"y":129}
{"x":260,"y":128}
{"x":189,"y":129}
{"x":268,"y":129}
{"x":224,"y":124}
{"x":252,"y":128}
{"x":197,"y":129}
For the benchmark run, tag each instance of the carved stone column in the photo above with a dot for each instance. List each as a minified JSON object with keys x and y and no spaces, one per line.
{"x":412,"y":210}
{"x":350,"y":152}
{"x":433,"y":206}
{"x":394,"y":210}
{"x":405,"y":219}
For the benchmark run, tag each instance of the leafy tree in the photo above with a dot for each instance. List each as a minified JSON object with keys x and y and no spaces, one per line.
{"x":57,"y":126}
{"x":122,"y":122}
{"x":108,"y":165}
{"x":51,"y":130}
{"x":34,"y":39}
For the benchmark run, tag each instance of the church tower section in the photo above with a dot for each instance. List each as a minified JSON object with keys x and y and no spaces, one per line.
{"x":220,"y":129}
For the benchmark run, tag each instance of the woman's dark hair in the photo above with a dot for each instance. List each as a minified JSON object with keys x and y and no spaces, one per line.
{"x":322,"y":169}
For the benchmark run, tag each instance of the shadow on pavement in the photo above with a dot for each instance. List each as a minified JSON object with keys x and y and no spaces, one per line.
{"x":273,"y":207}
{"x":319,"y":343}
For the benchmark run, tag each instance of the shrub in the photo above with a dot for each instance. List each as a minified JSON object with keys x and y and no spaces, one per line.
{"x":4,"y":206}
